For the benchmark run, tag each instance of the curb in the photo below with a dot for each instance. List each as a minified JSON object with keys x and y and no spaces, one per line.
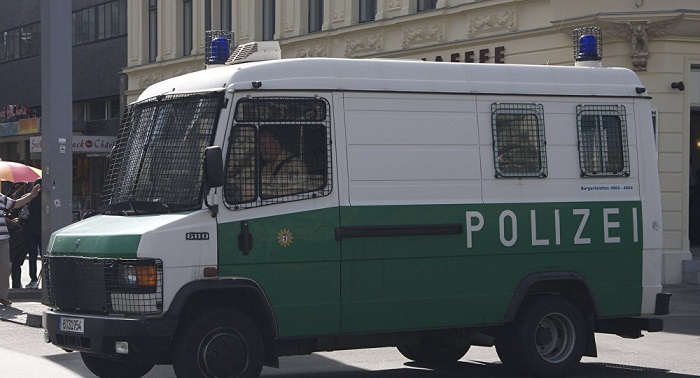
{"x":26,"y":308}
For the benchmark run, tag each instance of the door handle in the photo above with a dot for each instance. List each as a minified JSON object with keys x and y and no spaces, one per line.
{"x":245,"y":239}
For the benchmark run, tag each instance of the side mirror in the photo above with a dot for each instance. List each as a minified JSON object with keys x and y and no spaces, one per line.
{"x":213,"y":167}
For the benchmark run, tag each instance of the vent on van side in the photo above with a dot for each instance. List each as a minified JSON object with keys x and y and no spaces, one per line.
{"x":255,"y":51}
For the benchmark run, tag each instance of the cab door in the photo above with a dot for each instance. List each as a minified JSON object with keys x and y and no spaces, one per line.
{"x":279,"y":231}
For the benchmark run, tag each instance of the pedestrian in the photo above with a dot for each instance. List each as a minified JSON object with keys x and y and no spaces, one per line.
{"x":31,"y":224}
{"x":7,"y":204}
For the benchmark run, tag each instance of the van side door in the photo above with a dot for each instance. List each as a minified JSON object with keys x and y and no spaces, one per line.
{"x":281,"y":209}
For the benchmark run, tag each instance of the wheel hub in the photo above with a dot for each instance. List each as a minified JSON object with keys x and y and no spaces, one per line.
{"x":223,"y":354}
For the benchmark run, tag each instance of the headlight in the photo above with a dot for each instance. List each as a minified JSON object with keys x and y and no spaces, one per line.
{"x":139,"y":276}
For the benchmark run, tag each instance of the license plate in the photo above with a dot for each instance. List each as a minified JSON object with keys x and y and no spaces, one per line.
{"x":74,"y":325}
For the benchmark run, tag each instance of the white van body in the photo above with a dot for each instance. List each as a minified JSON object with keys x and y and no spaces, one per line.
{"x":417,"y":211}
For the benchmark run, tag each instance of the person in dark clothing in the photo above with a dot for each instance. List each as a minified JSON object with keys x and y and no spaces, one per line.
{"x":32,"y":233}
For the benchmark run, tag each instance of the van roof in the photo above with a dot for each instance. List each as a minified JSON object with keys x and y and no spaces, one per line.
{"x":405,"y":76}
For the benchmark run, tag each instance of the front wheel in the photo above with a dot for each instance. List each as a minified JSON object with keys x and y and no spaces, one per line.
{"x":546,"y":339}
{"x":219,"y":343}
{"x":107,"y":368}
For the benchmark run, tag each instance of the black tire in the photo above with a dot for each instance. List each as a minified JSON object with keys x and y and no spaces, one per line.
{"x":546,"y":339}
{"x":106,"y":368}
{"x":433,"y":351}
{"x":219,"y":343}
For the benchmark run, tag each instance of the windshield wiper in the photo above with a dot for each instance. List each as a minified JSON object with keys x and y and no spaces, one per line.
{"x":136,"y":208}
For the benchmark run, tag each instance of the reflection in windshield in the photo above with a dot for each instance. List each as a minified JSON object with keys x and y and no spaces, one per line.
{"x":158,"y":154}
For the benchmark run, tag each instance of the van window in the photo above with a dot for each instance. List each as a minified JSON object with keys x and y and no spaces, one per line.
{"x":602,"y":136}
{"x":278,"y":151}
{"x":518,"y":140}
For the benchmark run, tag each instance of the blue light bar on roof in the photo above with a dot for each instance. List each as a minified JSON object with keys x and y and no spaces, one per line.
{"x":588,"y":44}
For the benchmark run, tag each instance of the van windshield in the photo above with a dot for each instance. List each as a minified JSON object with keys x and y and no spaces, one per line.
{"x":156,"y":164}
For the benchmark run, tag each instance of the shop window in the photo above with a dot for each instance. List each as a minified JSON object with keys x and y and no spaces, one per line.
{"x":602,"y":137}
{"x":519,"y":140}
{"x":278,"y":152}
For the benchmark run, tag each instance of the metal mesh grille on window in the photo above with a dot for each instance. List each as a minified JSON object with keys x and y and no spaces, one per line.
{"x":279,"y":151}
{"x":602,"y":139}
{"x":159,"y":150}
{"x":519,"y":140}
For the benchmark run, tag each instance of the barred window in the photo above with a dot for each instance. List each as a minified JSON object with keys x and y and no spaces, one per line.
{"x":279,"y":151}
{"x":602,"y":139}
{"x":519,"y":140}
{"x":157,"y":160}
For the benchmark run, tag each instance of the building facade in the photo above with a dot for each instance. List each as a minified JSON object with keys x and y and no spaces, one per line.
{"x":659,"y":39}
{"x":99,"y":49}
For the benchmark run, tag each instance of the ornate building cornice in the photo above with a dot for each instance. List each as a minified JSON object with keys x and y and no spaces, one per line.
{"x":423,"y":33}
{"x":491,"y":22}
{"x":363,"y":43}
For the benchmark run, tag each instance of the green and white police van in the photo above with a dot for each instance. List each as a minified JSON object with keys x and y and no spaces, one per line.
{"x":424,"y":205}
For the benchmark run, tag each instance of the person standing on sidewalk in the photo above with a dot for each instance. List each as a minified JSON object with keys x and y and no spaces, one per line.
{"x":32,"y":231}
{"x":7,"y":204}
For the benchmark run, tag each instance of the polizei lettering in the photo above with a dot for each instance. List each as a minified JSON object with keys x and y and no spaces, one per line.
{"x":548,"y":226}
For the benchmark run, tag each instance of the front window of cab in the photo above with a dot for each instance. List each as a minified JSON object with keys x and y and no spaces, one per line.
{"x":156,"y":164}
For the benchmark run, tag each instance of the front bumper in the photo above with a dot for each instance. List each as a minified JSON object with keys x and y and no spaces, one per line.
{"x":100,"y":333}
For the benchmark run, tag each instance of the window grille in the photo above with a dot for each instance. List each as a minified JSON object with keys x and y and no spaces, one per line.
{"x":518,"y":140}
{"x":602,"y":139}
{"x":159,"y":151}
{"x":103,"y":284}
{"x":279,"y":151}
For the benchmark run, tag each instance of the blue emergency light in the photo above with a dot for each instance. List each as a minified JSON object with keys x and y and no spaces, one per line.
{"x":218,"y":46}
{"x":587,"y":44}
{"x":219,"y":50}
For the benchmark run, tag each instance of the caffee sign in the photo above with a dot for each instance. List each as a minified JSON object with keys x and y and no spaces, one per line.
{"x":495,"y":55}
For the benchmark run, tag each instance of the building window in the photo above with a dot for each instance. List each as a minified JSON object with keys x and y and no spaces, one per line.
{"x":315,"y":15}
{"x":518,"y":140}
{"x":368,"y":9}
{"x":278,"y":151}
{"x":152,"y":30}
{"x":268,"y":23}
{"x":425,"y":5}
{"x":207,"y":15}
{"x":21,"y":42}
{"x":602,"y":139}
{"x":99,"y":22}
{"x":187,"y":27}
{"x":226,"y":15}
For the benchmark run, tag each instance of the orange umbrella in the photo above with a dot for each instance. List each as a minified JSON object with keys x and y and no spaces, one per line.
{"x":18,"y":172}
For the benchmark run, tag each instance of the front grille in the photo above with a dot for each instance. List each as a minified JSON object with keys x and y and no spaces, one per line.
{"x":95,"y":285}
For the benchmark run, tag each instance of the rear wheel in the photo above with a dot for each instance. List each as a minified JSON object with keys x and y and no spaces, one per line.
{"x":107,"y":368}
{"x":434,"y":350}
{"x":546,"y":339}
{"x":219,"y":343}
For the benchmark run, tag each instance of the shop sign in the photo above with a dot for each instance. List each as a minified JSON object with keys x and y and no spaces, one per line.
{"x":9,"y":128}
{"x":81,"y":144}
{"x":30,"y":126}
{"x":9,"y":111}
{"x":498,"y":54}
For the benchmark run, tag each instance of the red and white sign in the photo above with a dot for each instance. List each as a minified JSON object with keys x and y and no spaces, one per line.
{"x":90,"y":144}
